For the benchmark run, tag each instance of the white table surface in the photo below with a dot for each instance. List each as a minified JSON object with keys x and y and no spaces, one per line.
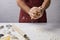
{"x":33,"y":29}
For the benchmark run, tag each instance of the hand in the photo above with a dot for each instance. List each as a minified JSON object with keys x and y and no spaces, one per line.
{"x":35,"y":13}
{"x":32,"y":12}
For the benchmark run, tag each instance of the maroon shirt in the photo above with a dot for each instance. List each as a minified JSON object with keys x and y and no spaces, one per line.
{"x":25,"y":18}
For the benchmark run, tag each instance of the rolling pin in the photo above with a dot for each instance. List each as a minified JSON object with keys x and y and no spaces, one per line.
{"x":20,"y":32}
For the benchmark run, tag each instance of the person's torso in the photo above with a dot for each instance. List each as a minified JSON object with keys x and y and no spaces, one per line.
{"x":24,"y":17}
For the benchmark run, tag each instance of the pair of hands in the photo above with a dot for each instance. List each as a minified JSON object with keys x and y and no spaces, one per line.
{"x":36,"y":12}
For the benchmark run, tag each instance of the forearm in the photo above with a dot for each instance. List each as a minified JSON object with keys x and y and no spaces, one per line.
{"x":22,"y":5}
{"x":45,"y":4}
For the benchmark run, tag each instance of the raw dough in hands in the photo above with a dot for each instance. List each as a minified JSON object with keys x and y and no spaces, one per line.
{"x":36,"y":12}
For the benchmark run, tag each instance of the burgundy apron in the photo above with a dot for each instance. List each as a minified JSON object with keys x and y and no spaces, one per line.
{"x":25,"y":18}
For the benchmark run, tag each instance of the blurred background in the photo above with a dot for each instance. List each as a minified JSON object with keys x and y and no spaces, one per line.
{"x":9,"y":11}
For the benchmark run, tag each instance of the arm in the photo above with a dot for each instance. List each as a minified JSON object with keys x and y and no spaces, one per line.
{"x":22,"y":5}
{"x":46,"y":4}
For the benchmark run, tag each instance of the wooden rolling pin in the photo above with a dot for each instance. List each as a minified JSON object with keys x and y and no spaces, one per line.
{"x":20,"y":32}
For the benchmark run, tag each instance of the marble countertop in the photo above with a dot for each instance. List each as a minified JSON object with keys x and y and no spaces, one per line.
{"x":39,"y":31}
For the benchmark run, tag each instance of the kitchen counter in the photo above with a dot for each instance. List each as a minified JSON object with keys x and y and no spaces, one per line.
{"x":34,"y":30}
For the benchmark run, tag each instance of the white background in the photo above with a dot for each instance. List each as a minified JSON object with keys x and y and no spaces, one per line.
{"x":9,"y":11}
